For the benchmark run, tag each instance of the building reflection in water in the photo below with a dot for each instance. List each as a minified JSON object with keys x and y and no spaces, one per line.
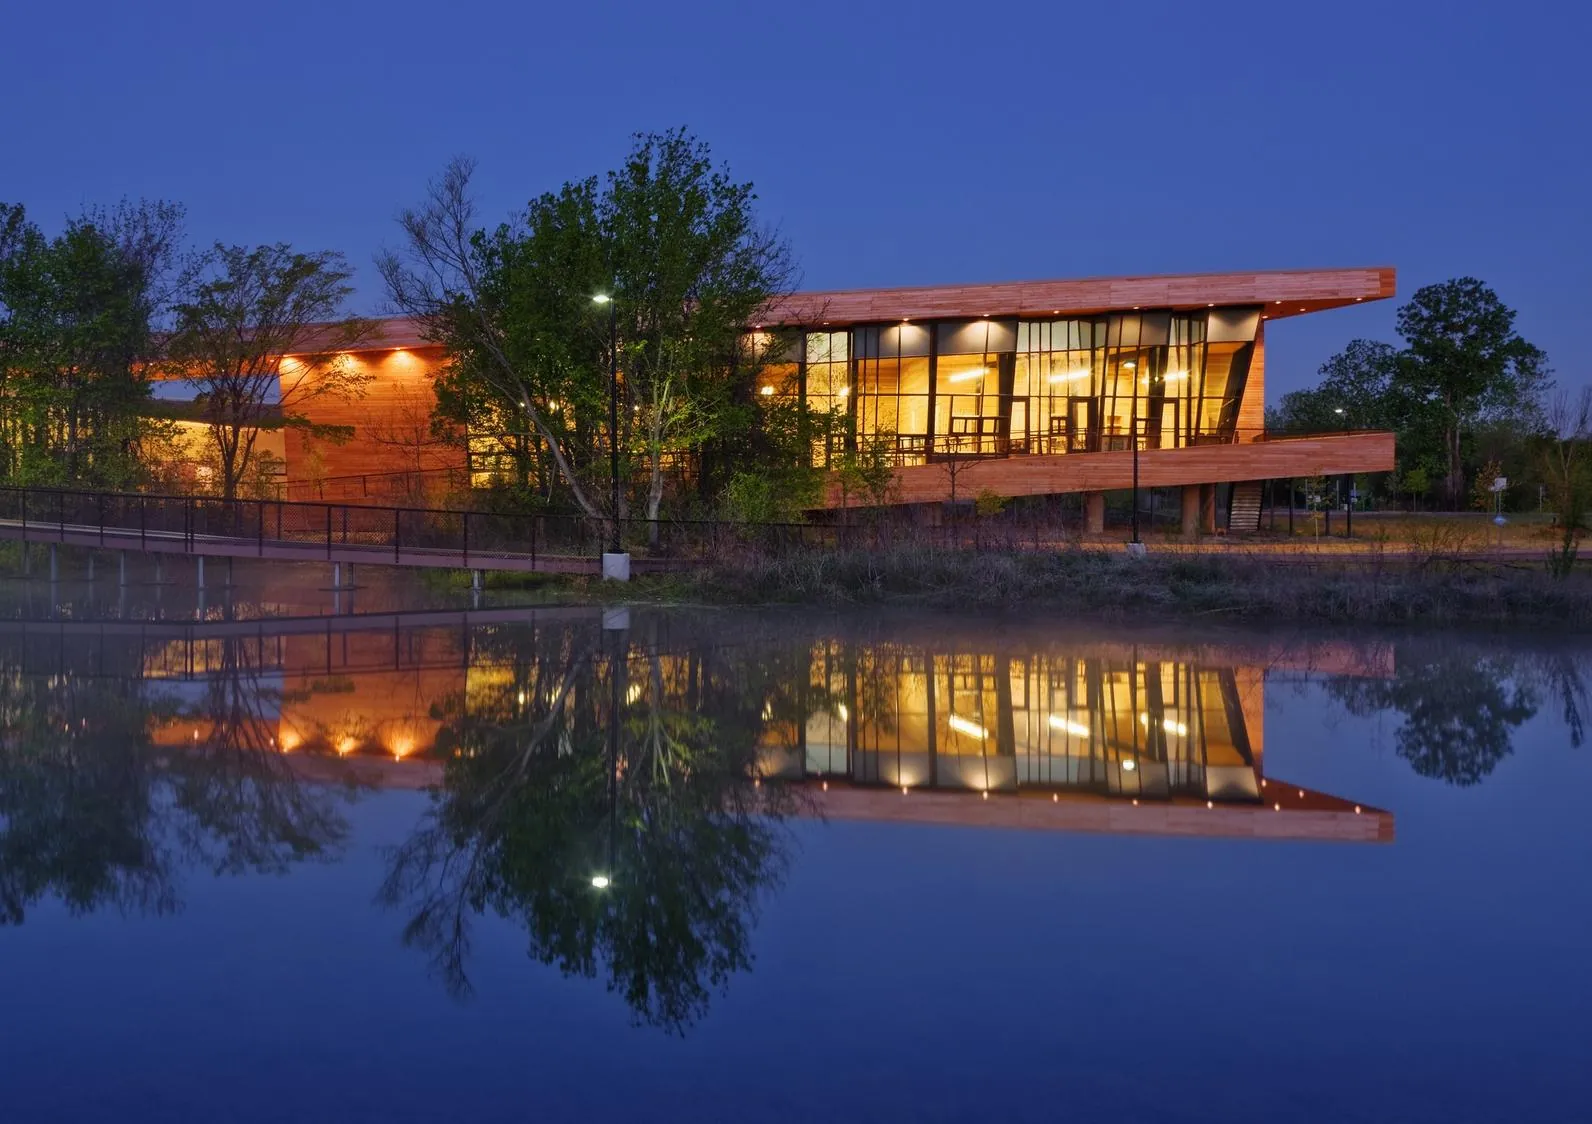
{"x":638,"y":844}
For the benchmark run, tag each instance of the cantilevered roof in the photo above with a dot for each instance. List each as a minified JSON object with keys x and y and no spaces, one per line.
{"x":1284,"y":292}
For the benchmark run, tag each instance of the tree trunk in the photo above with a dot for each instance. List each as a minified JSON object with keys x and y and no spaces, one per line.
{"x":654,"y":498}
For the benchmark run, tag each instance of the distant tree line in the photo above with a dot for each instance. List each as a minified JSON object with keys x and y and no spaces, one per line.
{"x":1470,"y":399}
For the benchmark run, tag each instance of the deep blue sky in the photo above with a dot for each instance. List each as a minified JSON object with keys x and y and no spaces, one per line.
{"x":893,"y":144}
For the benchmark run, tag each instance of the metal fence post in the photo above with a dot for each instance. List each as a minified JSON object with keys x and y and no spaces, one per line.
{"x":467,"y":538}
{"x":259,"y":526}
{"x":328,"y":532}
{"x":397,"y":533}
{"x":99,"y":501}
{"x":142,"y":523}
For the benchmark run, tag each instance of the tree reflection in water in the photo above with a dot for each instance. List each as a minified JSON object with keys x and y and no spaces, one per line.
{"x":538,"y":800}
{"x":103,"y":802}
{"x":1460,"y":705}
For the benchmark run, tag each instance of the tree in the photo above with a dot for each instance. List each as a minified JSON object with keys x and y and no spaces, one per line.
{"x":514,"y":308}
{"x":1464,"y":362}
{"x":691,"y":266}
{"x":262,"y":335}
{"x":1567,"y":470}
{"x":77,"y":320}
{"x":671,"y":240}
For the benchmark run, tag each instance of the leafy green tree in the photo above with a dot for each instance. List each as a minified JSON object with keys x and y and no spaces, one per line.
{"x":77,"y":320}
{"x":692,"y":264}
{"x":262,"y":334}
{"x":1463,"y":363}
{"x":670,"y":239}
{"x":513,"y":306}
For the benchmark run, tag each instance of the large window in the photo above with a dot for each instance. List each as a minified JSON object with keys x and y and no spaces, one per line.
{"x":827,"y":371}
{"x":893,"y":387}
{"x":974,"y":406}
{"x":1059,"y":375}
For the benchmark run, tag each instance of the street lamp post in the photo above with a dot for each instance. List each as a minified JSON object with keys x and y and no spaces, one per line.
{"x":615,"y":546}
{"x":1133,"y":440}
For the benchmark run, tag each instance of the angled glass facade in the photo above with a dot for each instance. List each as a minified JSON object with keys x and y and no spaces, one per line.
{"x":940,"y":389}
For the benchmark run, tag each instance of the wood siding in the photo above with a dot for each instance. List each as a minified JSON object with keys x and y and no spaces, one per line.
{"x":1252,"y":407}
{"x":390,"y":423}
{"x":1105,"y":472}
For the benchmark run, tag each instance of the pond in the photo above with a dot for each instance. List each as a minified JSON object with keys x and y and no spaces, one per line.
{"x":266,"y":863}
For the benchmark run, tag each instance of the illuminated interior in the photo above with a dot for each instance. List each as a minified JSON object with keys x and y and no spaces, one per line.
{"x":1162,"y":380}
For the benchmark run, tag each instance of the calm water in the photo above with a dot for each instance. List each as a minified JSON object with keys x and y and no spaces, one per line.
{"x":895,"y":868}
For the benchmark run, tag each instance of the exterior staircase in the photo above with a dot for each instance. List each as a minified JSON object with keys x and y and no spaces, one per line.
{"x":1243,"y":508}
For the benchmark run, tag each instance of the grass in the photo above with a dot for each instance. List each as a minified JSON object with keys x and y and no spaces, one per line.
{"x":1095,"y":584}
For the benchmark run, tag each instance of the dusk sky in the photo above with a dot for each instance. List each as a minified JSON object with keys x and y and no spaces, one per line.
{"x":892,"y":144}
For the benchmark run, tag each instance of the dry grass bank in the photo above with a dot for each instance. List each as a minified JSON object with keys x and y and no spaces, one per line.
{"x":1162,"y":585}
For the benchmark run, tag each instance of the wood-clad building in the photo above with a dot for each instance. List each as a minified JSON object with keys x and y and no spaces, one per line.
{"x":1032,"y":388}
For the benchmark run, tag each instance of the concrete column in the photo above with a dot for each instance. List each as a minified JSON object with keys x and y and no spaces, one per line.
{"x":1094,"y":512}
{"x":1208,"y":509}
{"x":1191,"y":511}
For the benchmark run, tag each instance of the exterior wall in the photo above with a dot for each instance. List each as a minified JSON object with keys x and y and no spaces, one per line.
{"x":391,"y":424}
{"x":1252,"y":407}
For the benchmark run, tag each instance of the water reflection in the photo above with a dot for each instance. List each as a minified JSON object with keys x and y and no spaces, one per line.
{"x":1460,"y":705}
{"x":113,"y":779}
{"x":621,"y":795}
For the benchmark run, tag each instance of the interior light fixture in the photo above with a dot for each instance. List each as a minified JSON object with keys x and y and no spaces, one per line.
{"x":1070,"y":376}
{"x":1130,"y":365}
{"x":1067,"y":725}
{"x":965,"y":376}
{"x":963,"y":726}
{"x":767,"y":391}
{"x":843,"y":392}
{"x":1173,"y":376}
{"x":1129,"y":764}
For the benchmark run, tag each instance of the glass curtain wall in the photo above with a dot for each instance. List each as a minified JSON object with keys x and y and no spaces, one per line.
{"x":989,"y":387}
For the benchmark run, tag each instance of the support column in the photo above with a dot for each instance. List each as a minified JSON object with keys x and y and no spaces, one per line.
{"x":1207,"y":509}
{"x":1094,"y":513}
{"x":1191,"y":511}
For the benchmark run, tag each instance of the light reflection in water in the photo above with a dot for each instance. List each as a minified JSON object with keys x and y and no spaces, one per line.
{"x":641,"y":848}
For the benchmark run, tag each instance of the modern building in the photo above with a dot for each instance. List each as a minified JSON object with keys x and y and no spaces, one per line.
{"x":1022,"y":388}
